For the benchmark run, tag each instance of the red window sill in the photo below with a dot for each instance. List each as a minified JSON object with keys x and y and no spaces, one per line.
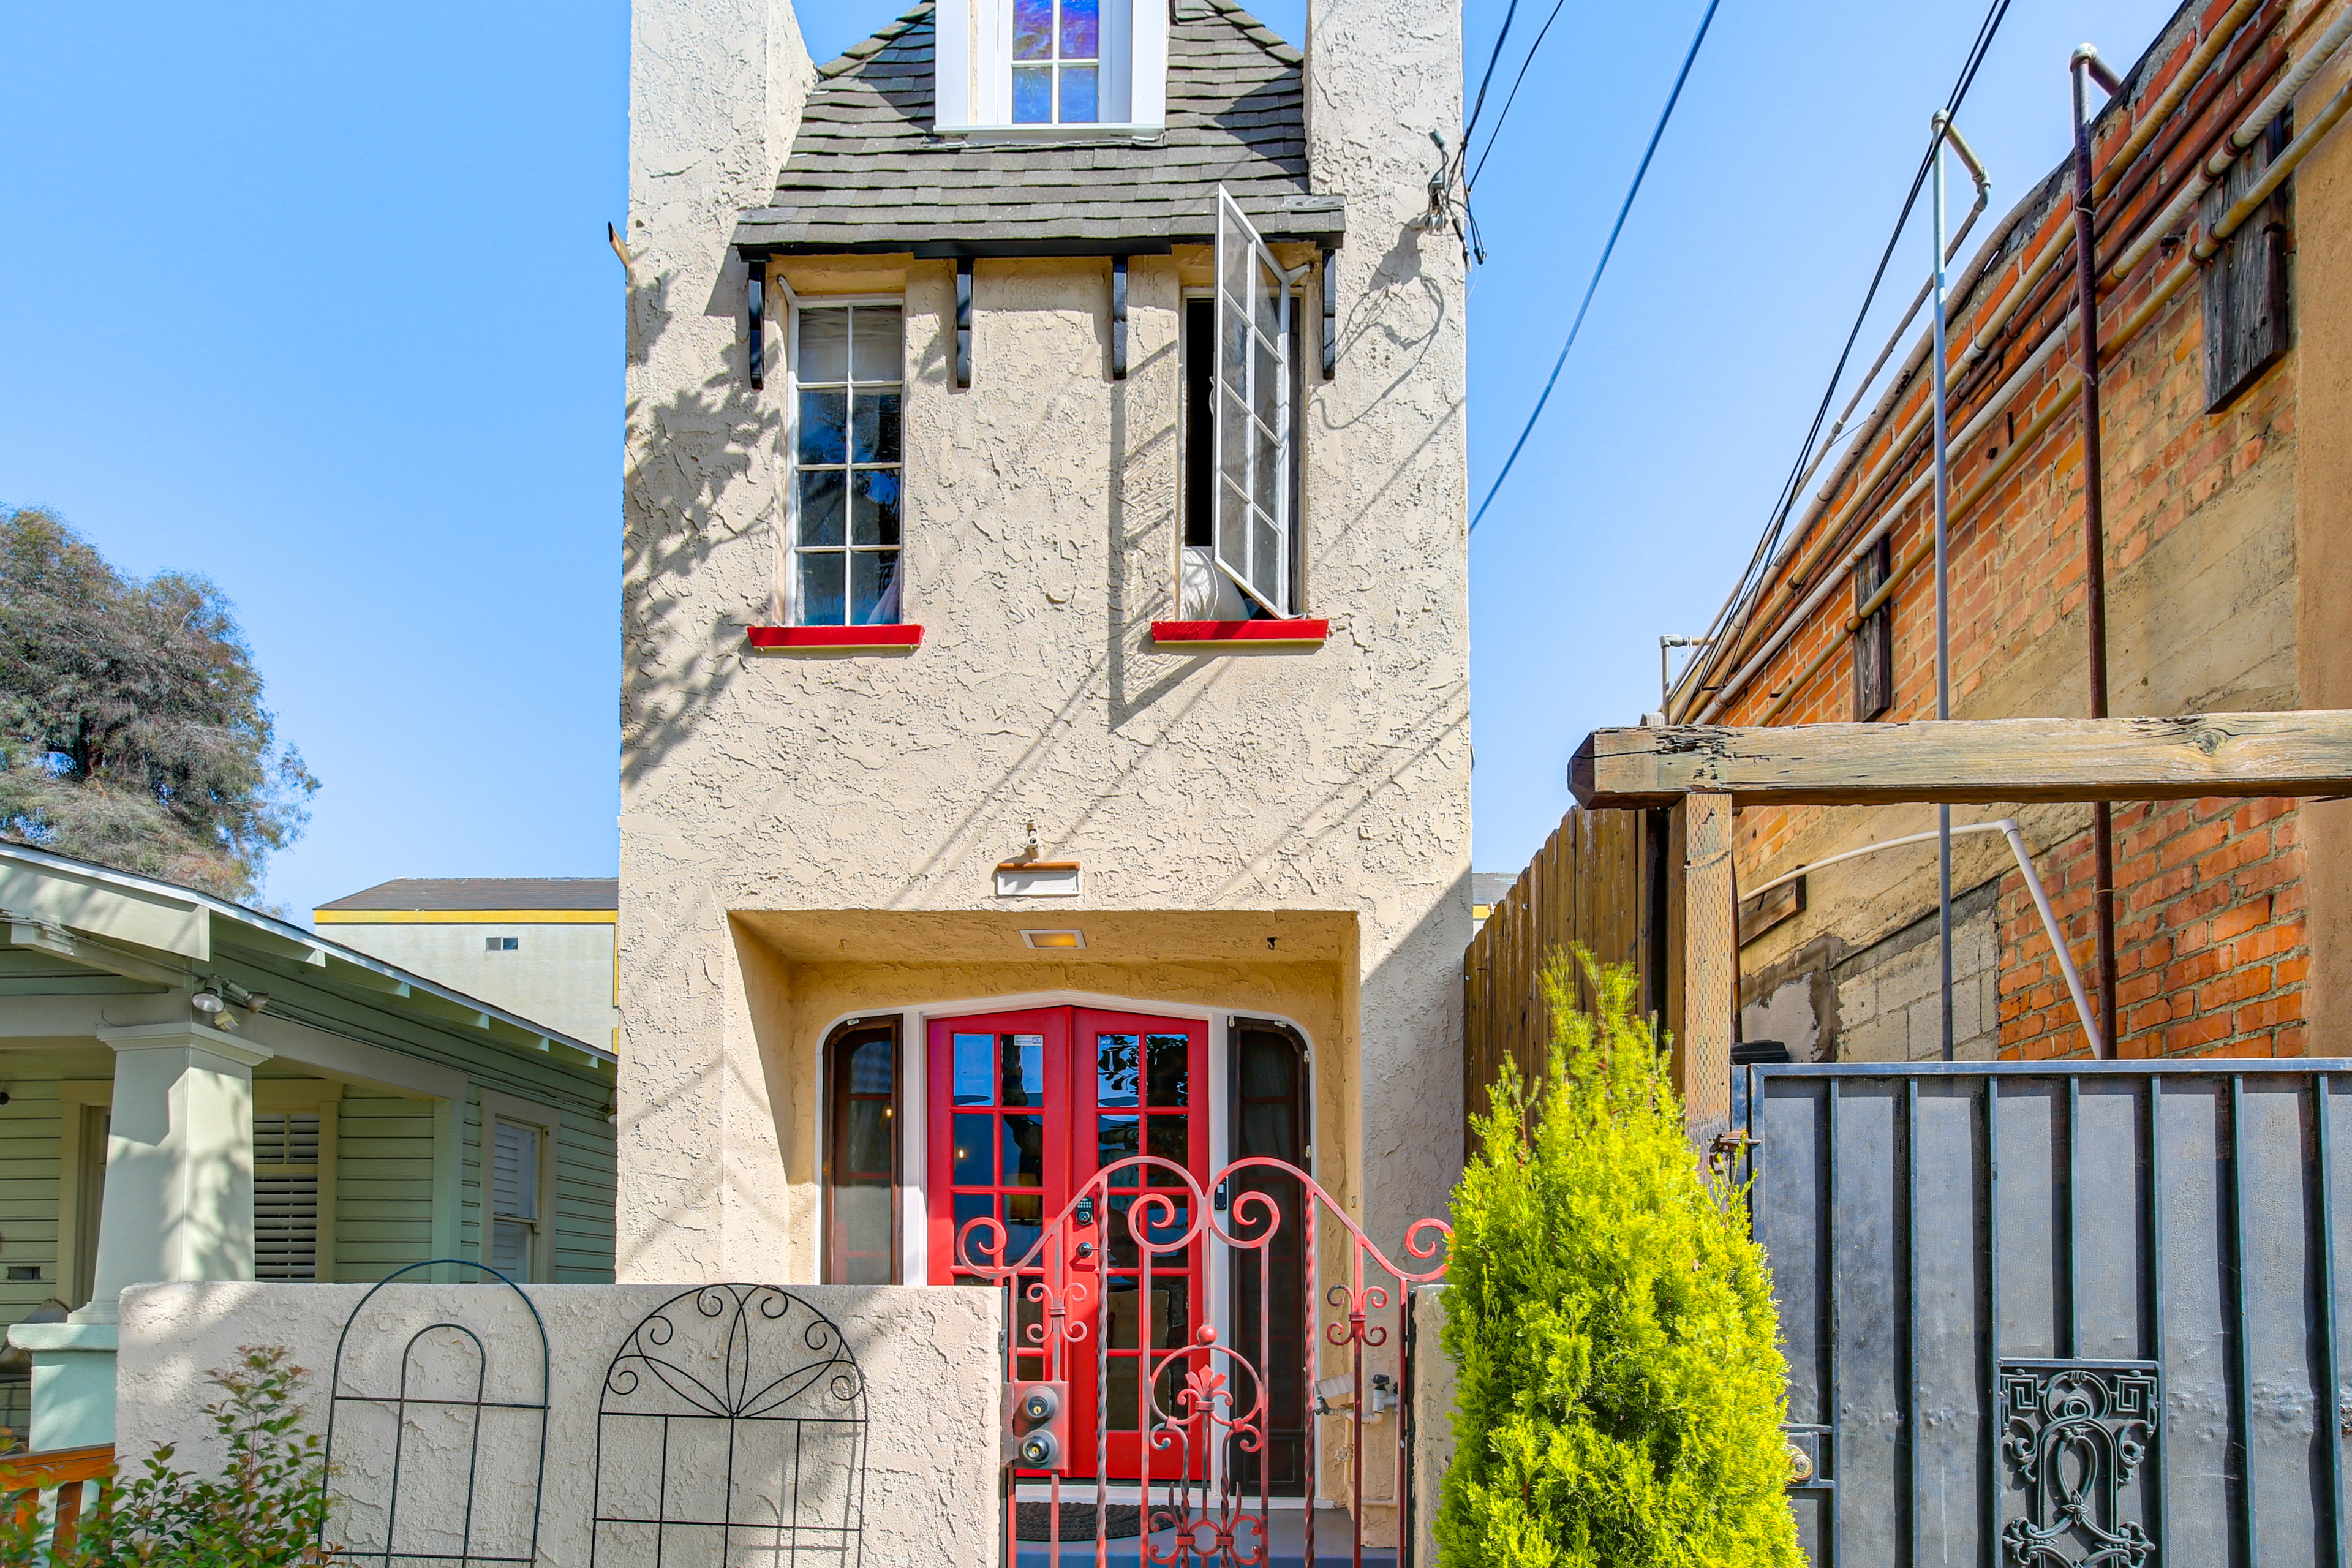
{"x":1240,"y":634}
{"x":836,"y":636}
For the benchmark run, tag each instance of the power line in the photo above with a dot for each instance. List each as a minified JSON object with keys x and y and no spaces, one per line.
{"x":1504,"y":114}
{"x":1615,"y":230}
{"x":1785,"y":501}
{"x":1479,"y":103}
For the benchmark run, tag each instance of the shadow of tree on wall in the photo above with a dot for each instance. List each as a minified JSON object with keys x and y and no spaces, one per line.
{"x":684,"y":454}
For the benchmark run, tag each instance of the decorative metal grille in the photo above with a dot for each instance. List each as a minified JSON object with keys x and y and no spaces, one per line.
{"x":438,"y":1457}
{"x":731,"y":1428}
{"x":1203,"y":1404}
{"x":2074,"y":1432}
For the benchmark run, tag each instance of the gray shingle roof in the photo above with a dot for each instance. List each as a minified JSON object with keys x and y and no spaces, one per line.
{"x":486,"y":893}
{"x":867,"y":173}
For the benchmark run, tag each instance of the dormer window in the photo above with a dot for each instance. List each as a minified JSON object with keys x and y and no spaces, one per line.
{"x":1048,"y":68}
{"x":1056,"y":62}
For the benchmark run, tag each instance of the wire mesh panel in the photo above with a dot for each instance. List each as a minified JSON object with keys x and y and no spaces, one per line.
{"x":732,"y":1433}
{"x":2043,"y":1315}
{"x":437,"y":1427}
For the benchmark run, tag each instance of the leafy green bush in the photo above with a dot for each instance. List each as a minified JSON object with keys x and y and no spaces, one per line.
{"x":266,"y":1509}
{"x":1622,"y":1384}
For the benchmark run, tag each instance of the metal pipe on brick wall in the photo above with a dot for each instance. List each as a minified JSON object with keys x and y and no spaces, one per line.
{"x":2007,"y":828}
{"x":2084,"y":63}
{"x":2035,"y":269}
{"x":1920,"y":555}
{"x":1830,"y":581}
{"x":2137,"y":322}
{"x":2276,"y":175}
{"x":1941,"y":388}
{"x":2169,"y":100}
{"x":2177,"y":212}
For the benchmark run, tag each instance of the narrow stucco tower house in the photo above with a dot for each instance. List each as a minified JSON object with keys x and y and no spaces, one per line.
{"x":1032,"y":643}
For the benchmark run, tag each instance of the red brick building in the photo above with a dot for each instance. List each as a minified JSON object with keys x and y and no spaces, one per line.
{"x":2226,"y":393}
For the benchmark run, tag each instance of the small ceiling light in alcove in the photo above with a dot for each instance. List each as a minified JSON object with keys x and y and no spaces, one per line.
{"x":1055,"y":939}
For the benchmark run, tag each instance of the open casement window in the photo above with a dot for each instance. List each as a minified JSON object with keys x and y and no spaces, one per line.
{"x":861,"y":1153}
{"x":1047,"y":67}
{"x":1251,"y":533}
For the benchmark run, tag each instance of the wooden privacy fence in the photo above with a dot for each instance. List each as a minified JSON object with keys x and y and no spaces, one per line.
{"x":1601,"y":880}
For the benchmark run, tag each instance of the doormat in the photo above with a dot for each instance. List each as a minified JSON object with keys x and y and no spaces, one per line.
{"x":1120,"y":1520}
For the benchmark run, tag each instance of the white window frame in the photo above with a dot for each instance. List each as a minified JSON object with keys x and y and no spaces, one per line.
{"x":972,"y":72}
{"x":789,"y":591}
{"x":549,"y":1122}
{"x":1240,"y":244}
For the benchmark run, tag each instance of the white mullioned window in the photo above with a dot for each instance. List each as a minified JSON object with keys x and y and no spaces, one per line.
{"x":1039,"y":67}
{"x":846,"y":497}
{"x":1250,"y":534}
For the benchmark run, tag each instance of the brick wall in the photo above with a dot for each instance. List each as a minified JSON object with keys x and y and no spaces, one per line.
{"x":2212,"y":953}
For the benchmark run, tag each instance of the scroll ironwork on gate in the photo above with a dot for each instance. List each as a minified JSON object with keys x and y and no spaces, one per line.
{"x":732,"y":1422}
{"x":1120,"y":1388}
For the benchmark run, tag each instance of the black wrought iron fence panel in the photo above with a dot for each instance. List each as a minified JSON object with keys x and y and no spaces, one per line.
{"x":1181,"y":1459}
{"x":436,"y":1423}
{"x":731,"y":1429}
{"x":2044,"y":1314}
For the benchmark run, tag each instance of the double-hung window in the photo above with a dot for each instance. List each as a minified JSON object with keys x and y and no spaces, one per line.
{"x":519,"y":1147}
{"x":847,"y":487}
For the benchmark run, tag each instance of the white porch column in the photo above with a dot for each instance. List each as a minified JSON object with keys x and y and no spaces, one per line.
{"x":178,"y":1207}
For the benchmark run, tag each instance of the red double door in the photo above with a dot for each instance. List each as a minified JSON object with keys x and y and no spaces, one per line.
{"x":1025,"y":1110}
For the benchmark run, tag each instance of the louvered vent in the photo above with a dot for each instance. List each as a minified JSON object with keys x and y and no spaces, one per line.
{"x":286,"y":1196}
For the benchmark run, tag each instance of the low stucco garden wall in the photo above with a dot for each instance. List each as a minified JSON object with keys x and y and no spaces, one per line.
{"x":652,"y":1441}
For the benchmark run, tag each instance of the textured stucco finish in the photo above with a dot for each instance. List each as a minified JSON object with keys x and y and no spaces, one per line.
{"x":928,"y":1357}
{"x":1041,"y":541}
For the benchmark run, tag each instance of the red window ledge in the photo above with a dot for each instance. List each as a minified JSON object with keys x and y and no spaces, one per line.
{"x":1240,"y":634}
{"x":837,"y":637}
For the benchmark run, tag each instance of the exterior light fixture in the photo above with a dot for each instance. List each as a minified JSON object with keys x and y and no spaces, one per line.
{"x":1055,"y":939}
{"x":213,"y":1009}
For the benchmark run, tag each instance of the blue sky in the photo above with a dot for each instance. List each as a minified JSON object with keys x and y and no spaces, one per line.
{"x":316,"y":300}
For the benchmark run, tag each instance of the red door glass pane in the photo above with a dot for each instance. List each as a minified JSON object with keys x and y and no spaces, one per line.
{"x":1025,"y":1110}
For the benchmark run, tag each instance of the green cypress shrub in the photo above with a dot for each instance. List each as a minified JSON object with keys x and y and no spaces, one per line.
{"x":1622,"y":1384}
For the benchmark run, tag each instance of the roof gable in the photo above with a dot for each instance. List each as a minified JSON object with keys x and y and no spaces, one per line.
{"x":866,"y":173}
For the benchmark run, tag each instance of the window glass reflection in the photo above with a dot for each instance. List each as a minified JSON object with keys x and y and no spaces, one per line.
{"x":975,"y":1065}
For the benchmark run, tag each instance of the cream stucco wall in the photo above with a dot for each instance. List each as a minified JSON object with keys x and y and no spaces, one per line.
{"x":561,"y":975}
{"x":927,"y":1361}
{"x":779,"y":811}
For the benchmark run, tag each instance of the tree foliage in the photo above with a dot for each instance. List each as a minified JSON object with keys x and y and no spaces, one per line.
{"x":132,"y":729}
{"x":1622,"y":1384}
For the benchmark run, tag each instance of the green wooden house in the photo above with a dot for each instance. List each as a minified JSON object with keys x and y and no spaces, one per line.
{"x":191,"y":1090}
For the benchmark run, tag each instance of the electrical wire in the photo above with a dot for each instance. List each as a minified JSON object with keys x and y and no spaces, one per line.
{"x":1478,"y":104}
{"x":1784,"y":502}
{"x":1658,"y":132}
{"x":1505,"y":113}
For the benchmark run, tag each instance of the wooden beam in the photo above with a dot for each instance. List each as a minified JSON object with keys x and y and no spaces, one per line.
{"x":1971,"y":762}
{"x":1710,"y":964}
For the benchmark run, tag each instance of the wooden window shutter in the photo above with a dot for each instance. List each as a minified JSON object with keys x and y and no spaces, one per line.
{"x":2245,"y":285}
{"x":1873,"y":640}
{"x":286,"y":1171}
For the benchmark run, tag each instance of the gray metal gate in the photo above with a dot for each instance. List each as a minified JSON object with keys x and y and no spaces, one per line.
{"x":2057,"y":1313}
